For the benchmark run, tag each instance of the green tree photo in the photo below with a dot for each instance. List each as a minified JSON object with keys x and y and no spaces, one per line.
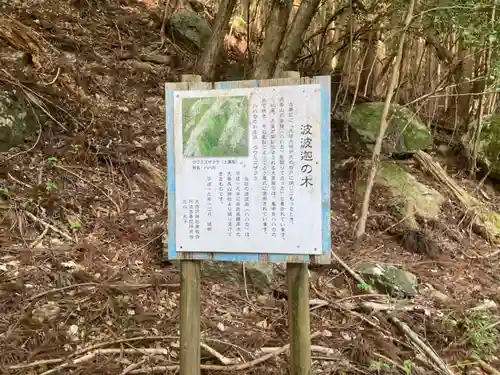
{"x":215,"y":126}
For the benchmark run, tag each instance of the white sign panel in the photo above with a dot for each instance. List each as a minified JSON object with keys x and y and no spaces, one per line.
{"x":248,"y":170}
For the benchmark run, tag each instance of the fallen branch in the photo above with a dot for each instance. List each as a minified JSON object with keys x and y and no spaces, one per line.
{"x":91,"y":184}
{"x":91,"y":352}
{"x":486,"y":367}
{"x":239,"y":367}
{"x":486,"y":305}
{"x":132,"y":367}
{"x":157,"y":177}
{"x":121,"y":341}
{"x":377,"y":307}
{"x":349,"y":310}
{"x":431,"y":354}
{"x":317,"y":303}
{"x":222,"y":359}
{"x":159,"y":369}
{"x":410,"y":334}
{"x":50,"y":226}
{"x":90,"y":356}
{"x":40,"y":237}
{"x":484,"y":219}
{"x":314,"y":349}
{"x":42,"y":362}
{"x":94,"y":351}
{"x":55,"y":78}
{"x":33,"y":99}
{"x":17,"y":181}
{"x":388,"y":360}
{"x":102,"y":285}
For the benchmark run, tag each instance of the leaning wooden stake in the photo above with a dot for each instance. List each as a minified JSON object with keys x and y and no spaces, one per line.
{"x":298,"y":301}
{"x":360,"y":230}
{"x":190,"y":357}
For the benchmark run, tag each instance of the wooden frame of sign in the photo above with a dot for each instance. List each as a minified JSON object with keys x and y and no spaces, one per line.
{"x":187,"y":224}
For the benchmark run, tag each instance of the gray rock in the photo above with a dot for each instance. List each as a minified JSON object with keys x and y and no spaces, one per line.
{"x":387,"y":278}
{"x":190,"y":28}
{"x":14,"y":57}
{"x":258,"y":275}
{"x":47,"y":312}
{"x":16,"y":120}
{"x":439,"y":296}
{"x":143,"y":66}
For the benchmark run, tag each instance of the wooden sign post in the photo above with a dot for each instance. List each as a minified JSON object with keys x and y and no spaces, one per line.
{"x":248,"y":169}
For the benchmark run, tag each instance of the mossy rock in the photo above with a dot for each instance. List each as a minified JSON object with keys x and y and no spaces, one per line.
{"x":405,"y":132}
{"x":489,"y":144}
{"x":191,"y":29}
{"x":426,"y":201}
{"x":411,"y":197}
{"x":490,"y":221}
{"x":388,"y":279}
{"x":17,"y":120}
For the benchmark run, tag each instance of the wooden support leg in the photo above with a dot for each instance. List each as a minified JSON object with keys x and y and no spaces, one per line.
{"x":190,"y":318}
{"x":299,"y":320}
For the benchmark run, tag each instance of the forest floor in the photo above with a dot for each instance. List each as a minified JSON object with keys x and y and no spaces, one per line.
{"x":72,"y":291}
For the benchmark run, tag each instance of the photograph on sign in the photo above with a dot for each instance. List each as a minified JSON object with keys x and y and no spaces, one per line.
{"x":248,"y":169}
{"x":215,"y":126}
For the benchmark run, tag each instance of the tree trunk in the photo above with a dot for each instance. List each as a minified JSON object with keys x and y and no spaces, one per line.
{"x":400,"y":96}
{"x":463,"y":77}
{"x":483,"y":98}
{"x":208,"y":61}
{"x":293,"y":39}
{"x":370,"y":68}
{"x":245,"y":10}
{"x":442,"y":53}
{"x":380,"y":56}
{"x":330,"y":61}
{"x":432,"y":78}
{"x":275,"y":30}
{"x":328,"y":34}
{"x":342,"y":72}
{"x":260,"y":16}
{"x":416,"y":66}
{"x":385,"y":68}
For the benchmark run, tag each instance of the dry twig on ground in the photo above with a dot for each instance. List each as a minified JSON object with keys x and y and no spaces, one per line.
{"x":429,"y":352}
{"x":486,"y":367}
{"x":90,"y":353}
{"x":50,"y":226}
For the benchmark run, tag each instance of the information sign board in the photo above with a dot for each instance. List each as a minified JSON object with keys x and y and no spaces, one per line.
{"x":247,"y":170}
